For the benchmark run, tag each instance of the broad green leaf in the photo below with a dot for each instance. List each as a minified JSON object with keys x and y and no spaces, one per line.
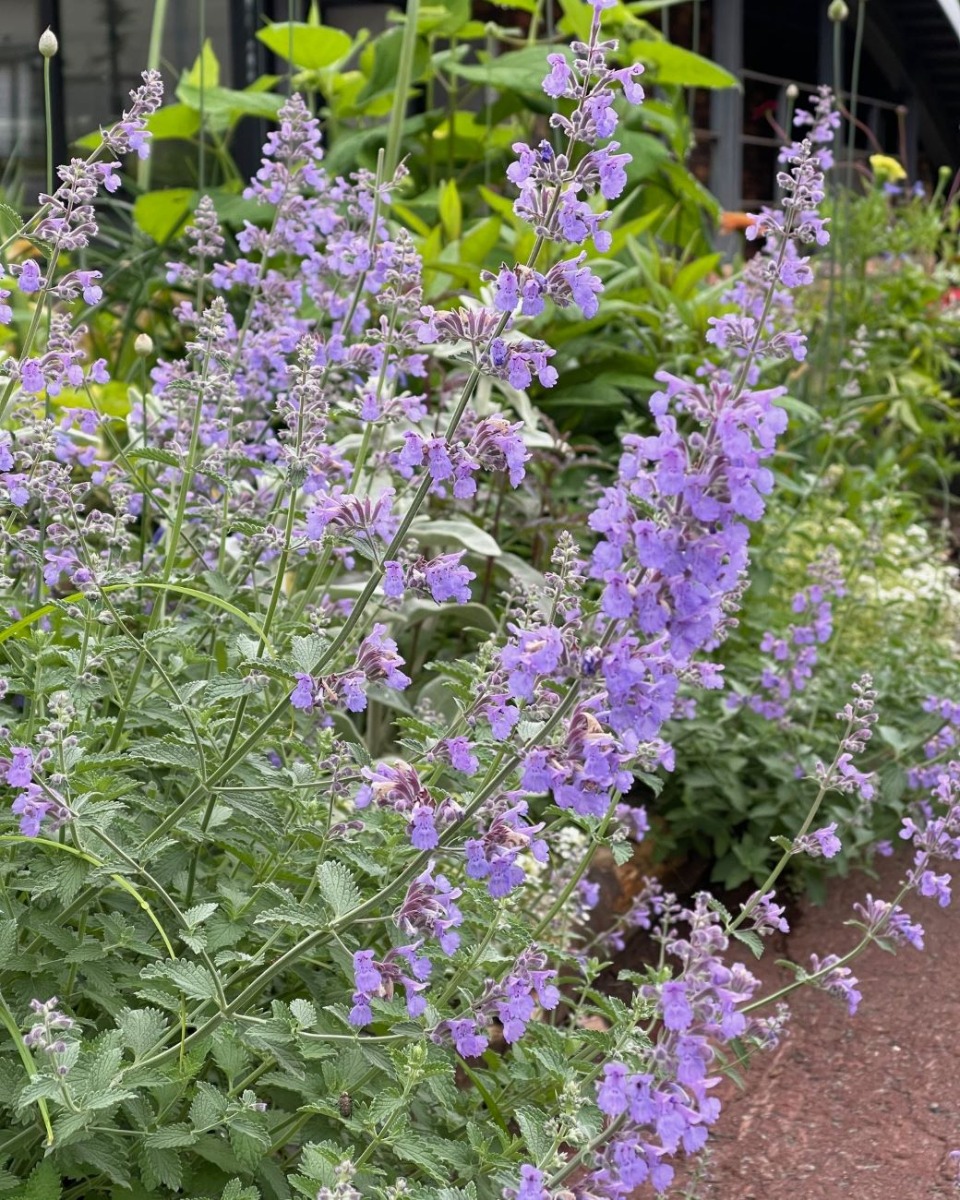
{"x":162,"y":214}
{"x":516,"y":71}
{"x":380,"y":62}
{"x":109,"y":399}
{"x":482,"y":237}
{"x":308,"y":46}
{"x":223,"y":107}
{"x":174,"y":121}
{"x":459,"y":530}
{"x":443,"y":20}
{"x":674,"y":64}
{"x":205,"y":71}
{"x":537,"y":1133}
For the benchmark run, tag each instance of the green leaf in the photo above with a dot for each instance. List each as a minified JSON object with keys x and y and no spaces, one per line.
{"x":149,"y":454}
{"x":304,"y":1013}
{"x":337,"y":886}
{"x":10,"y":220}
{"x":381,"y":65}
{"x":199,"y":913}
{"x":162,"y":215}
{"x":174,"y":121}
{"x":751,"y":939}
{"x":459,"y":530}
{"x":178,"y":1134}
{"x":205,"y":71}
{"x":160,"y":1166}
{"x":173,"y":754}
{"x":189,"y":977}
{"x":443,"y":20}
{"x":450,"y":210}
{"x":141,"y":1029}
{"x":235,"y":1190}
{"x":42,"y":1184}
{"x":308,"y":649}
{"x":223,"y":107}
{"x":307,"y":46}
{"x":675,"y":65}
{"x":536,"y":1130}
{"x":517,"y":71}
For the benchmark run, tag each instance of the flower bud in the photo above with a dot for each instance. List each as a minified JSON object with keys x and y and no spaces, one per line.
{"x":48,"y":44}
{"x":143,"y":344}
{"x":792,"y":91}
{"x":838,"y":10}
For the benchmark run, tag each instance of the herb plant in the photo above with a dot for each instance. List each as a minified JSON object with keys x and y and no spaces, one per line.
{"x":285,"y":908}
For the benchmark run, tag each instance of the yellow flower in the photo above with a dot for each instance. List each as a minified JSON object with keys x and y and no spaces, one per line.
{"x":886,"y":169}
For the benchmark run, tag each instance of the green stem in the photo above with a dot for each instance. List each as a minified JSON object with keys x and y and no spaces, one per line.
{"x":398,"y":111}
{"x":48,"y":117}
{"x":828,"y":780}
{"x":153,"y":64}
{"x":581,"y":870}
{"x":6,"y":1016}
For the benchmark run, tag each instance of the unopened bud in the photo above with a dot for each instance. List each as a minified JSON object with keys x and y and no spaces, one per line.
{"x":143,"y":344}
{"x":48,"y":44}
{"x":792,"y":91}
{"x":838,"y":10}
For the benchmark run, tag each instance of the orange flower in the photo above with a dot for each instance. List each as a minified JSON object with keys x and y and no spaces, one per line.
{"x":730,"y":222}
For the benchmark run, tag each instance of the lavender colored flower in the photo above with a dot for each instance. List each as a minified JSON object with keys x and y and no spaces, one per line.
{"x":821,"y":842}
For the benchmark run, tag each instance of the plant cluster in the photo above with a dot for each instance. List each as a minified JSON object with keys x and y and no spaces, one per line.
{"x":288,"y":904}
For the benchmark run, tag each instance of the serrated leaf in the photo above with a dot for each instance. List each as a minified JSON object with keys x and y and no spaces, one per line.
{"x":142,"y":1029}
{"x":152,"y":454}
{"x":178,"y":1134}
{"x":172,"y":754}
{"x":160,"y":1166}
{"x":304,"y":1012}
{"x":208,"y":1106}
{"x":535,"y":1127}
{"x":235,"y":1190}
{"x":8,"y":940}
{"x":199,"y":913}
{"x":750,"y":939}
{"x":308,"y":649}
{"x":337,"y":886}
{"x":43,"y":1183}
{"x":189,"y":977}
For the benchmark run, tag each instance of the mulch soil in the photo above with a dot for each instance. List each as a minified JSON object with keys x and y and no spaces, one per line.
{"x":849,"y":1108}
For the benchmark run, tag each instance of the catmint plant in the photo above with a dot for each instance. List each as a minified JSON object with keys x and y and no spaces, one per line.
{"x":315,"y":902}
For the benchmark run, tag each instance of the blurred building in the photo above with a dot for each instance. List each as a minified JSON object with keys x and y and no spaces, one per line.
{"x":909,"y":93}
